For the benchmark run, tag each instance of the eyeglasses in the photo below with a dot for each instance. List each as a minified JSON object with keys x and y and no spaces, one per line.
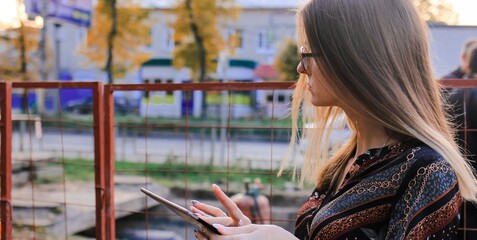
{"x":304,"y":54}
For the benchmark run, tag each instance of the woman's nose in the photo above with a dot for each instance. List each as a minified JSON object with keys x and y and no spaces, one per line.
{"x":300,"y":68}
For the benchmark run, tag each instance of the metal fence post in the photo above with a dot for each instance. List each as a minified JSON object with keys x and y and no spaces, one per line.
{"x":99,"y":168}
{"x":6,"y":160}
{"x":109,"y":162}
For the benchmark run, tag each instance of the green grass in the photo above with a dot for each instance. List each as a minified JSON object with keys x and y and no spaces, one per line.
{"x":172,"y":174}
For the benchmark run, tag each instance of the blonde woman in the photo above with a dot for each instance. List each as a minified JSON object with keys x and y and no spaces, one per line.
{"x":401,"y":174}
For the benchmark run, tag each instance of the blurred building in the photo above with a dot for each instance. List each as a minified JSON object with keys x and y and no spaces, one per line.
{"x":261,"y":28}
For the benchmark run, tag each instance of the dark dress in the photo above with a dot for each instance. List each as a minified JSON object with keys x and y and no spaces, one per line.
{"x":403,"y":191}
{"x":466,"y":119}
{"x":456,"y":74}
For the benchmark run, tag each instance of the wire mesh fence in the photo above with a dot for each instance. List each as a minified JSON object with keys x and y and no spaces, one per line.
{"x":77,"y":169}
{"x":180,"y":153}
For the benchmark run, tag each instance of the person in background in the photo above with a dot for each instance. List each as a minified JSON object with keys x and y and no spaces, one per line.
{"x":463,"y":69}
{"x":253,"y":203}
{"x":400,"y":175}
{"x":464,"y":111}
{"x":473,"y":63}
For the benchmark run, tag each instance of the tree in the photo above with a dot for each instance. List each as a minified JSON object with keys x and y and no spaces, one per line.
{"x":286,"y":60}
{"x":116,"y":35}
{"x":17,"y":52}
{"x":439,"y":11}
{"x":199,"y":35}
{"x":19,"y":45}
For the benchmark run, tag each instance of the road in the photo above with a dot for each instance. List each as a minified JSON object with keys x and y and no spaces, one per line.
{"x":255,"y":154}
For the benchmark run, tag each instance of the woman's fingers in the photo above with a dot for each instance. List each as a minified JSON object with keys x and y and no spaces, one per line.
{"x":235,"y":230}
{"x":232,"y":208}
{"x":213,"y":214}
{"x":228,"y":233}
{"x":211,"y":210}
{"x":198,"y":211}
{"x":219,"y":218}
{"x":226,"y":221}
{"x":199,"y":235}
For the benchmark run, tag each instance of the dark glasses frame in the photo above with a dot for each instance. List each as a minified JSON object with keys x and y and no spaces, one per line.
{"x":303,"y":55}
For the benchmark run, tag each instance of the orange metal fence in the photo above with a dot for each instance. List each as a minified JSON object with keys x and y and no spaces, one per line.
{"x":6,"y":151}
{"x":106,"y":129}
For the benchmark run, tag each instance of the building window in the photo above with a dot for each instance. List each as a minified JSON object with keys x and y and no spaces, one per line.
{"x":81,"y":36}
{"x":169,"y":93}
{"x":146,"y":93}
{"x":151,"y":36}
{"x":266,"y":40}
{"x":276,"y":98}
{"x":235,"y":38}
{"x":169,"y":40}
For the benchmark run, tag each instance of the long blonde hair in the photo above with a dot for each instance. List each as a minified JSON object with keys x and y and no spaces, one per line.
{"x":375,"y":57}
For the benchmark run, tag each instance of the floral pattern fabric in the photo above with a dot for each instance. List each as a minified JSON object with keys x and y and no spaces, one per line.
{"x":404,"y":191}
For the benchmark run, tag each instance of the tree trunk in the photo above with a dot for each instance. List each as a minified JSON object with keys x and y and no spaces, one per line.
{"x":111,"y":36}
{"x":23,"y":74}
{"x":199,"y":40}
{"x":42,"y":43}
{"x":42,"y":56}
{"x":23,"y":66}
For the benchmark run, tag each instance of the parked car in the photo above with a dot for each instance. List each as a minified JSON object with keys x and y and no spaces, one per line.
{"x":122,"y":106}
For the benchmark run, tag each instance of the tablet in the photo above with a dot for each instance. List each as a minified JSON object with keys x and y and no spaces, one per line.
{"x":187,"y":215}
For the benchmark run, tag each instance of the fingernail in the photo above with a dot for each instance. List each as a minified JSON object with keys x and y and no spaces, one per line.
{"x":194,"y":202}
{"x":218,"y":226}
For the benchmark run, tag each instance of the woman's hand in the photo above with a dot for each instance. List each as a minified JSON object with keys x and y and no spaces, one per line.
{"x":251,"y":231}
{"x":214,"y":215}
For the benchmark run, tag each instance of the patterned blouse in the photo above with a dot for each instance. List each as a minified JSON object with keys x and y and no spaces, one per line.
{"x":403,"y":191}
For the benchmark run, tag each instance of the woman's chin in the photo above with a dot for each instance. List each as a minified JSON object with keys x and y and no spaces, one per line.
{"x":321,"y":102}
{"x":316,"y":103}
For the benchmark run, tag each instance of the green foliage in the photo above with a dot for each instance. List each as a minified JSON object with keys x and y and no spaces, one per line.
{"x":287,"y":60}
{"x":172,"y":172}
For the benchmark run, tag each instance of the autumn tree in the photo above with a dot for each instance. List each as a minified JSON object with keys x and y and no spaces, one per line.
{"x":199,"y":35}
{"x":439,"y":11}
{"x":287,"y":60}
{"x":18,"y":48}
{"x":117,"y":33}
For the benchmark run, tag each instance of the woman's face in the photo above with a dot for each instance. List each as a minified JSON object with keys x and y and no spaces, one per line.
{"x":320,"y":94}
